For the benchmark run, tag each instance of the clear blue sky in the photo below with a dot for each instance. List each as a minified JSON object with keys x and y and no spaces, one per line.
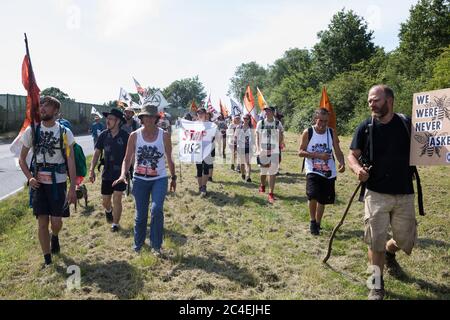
{"x":90,"y":49}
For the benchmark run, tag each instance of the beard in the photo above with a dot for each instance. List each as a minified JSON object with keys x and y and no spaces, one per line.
{"x":46,"y":117}
{"x":384,"y":109}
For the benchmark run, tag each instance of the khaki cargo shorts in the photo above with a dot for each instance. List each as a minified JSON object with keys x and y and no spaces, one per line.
{"x":382,"y":210}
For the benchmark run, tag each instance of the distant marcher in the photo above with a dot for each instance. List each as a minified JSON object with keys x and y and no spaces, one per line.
{"x":389,"y":198}
{"x":317,"y":145}
{"x":148,"y":146}
{"x":232,"y":141}
{"x":131,"y":124}
{"x":113,"y":143}
{"x":222,"y":127}
{"x":245,"y":142}
{"x":269,"y":138}
{"x":96,"y":128}
{"x":203,"y":168}
{"x":49,"y":199}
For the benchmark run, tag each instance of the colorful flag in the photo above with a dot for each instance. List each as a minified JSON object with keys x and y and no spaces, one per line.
{"x":124,"y":98}
{"x":194,"y":107}
{"x":32,"y":115}
{"x":325,"y":103}
{"x":236,"y":109}
{"x":140,"y":90}
{"x":223,"y":109}
{"x":212,"y":110}
{"x":261,"y":101}
{"x":249,"y":103}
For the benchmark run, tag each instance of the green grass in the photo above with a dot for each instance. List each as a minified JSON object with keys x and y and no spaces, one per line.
{"x":230,"y":245}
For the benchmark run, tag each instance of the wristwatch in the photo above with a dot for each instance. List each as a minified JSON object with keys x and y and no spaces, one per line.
{"x":174,"y":177}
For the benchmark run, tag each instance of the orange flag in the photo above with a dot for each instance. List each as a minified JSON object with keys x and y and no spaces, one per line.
{"x":29,"y":83}
{"x":194,"y":107}
{"x":249,"y":102}
{"x":261,"y":101}
{"x":223,"y":109}
{"x":325,"y":103}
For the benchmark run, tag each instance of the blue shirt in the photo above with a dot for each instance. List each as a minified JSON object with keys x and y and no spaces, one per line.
{"x":96,"y":129}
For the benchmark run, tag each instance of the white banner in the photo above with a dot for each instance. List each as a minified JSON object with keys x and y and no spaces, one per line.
{"x":196,"y":140}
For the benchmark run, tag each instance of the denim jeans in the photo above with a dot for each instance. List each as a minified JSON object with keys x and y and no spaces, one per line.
{"x":141,"y":191}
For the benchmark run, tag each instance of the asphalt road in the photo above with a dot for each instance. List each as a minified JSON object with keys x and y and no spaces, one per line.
{"x":12,"y":178}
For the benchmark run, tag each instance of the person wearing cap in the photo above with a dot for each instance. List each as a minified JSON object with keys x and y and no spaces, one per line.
{"x":96,"y":128}
{"x":131,"y":124}
{"x":269,"y":138}
{"x":113,"y":143}
{"x":150,"y":146}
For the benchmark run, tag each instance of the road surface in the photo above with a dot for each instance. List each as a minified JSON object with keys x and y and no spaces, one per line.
{"x":12,"y":178}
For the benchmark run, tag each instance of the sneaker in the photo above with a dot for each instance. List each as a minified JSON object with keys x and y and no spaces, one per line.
{"x":377,"y":294}
{"x":238,"y":169}
{"x":156,"y":252}
{"x":232,"y":167}
{"x":115,"y":228}
{"x":54,"y":242}
{"x":271,"y":198}
{"x":203,"y":192}
{"x":262,"y":189}
{"x":249,"y":179}
{"x":313,"y":228}
{"x":109,"y":216}
{"x":392,"y":265}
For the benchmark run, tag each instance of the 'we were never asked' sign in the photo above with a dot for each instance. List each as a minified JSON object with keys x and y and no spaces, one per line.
{"x":430,"y":136}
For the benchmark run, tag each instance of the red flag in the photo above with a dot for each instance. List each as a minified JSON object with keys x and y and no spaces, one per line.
{"x":194,"y":107}
{"x":29,"y":83}
{"x":325,"y":103}
{"x":223,"y":109}
{"x":249,"y":102}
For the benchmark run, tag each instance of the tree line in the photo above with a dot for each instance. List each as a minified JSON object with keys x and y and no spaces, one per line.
{"x":347,"y":62}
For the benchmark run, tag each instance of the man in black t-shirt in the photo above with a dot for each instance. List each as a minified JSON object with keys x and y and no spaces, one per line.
{"x":389,"y":199}
{"x":113,"y":143}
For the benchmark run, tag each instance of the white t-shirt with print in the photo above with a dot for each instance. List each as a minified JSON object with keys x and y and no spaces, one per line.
{"x":49,"y":146}
{"x":269,"y":142}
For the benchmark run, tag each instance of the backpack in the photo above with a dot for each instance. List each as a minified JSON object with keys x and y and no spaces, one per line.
{"x":79,"y":156}
{"x":368,"y":153}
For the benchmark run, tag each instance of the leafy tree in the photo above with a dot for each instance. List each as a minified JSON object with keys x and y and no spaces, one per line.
{"x":345,"y":42}
{"x":441,"y":72}
{"x":56,"y":93}
{"x":427,"y":31}
{"x":181,"y":92}
{"x":247,"y":74}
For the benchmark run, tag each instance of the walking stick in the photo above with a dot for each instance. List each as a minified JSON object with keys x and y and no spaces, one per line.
{"x":330,"y":243}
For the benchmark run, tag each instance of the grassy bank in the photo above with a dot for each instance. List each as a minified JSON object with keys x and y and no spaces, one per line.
{"x":230,"y":245}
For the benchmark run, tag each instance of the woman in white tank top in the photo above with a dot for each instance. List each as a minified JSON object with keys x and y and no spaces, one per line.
{"x":149,"y":146}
